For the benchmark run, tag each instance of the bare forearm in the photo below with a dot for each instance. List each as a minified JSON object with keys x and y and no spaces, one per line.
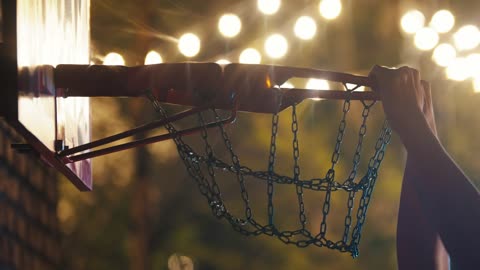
{"x":418,"y":242}
{"x":447,"y":196}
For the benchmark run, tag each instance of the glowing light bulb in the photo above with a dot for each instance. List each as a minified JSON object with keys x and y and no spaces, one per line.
{"x":426,"y":39}
{"x":317,"y":84}
{"x":444,"y":54}
{"x":442,"y":21}
{"x":229,"y":25}
{"x":268,"y":7}
{"x":476,"y":84}
{"x":113,"y":59}
{"x":458,"y":69}
{"x":276,"y":46}
{"x":153,"y":58}
{"x":412,"y":21}
{"x":250,"y":56}
{"x":189,"y":45}
{"x":473,"y":63}
{"x":305,"y":28}
{"x":330,"y":9}
{"x":223,"y":62}
{"x":467,"y":37}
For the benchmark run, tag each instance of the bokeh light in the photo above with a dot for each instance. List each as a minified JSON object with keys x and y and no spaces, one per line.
{"x":113,"y":59}
{"x":360,"y":88}
{"x":476,"y":84}
{"x":287,"y":85}
{"x":152,"y":58}
{"x":223,"y":62}
{"x":473,"y":62}
{"x":412,"y":21}
{"x":458,"y":70}
{"x":426,"y":39}
{"x":442,"y":21}
{"x":317,"y":84}
{"x":268,"y":7}
{"x":444,"y":54}
{"x":276,"y":46}
{"x":229,"y":25}
{"x":305,"y":27}
{"x":330,"y":9}
{"x":467,"y":37}
{"x":250,"y":56}
{"x":189,"y":45}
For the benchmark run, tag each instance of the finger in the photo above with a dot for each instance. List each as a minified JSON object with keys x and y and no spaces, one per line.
{"x":419,"y":90}
{"x":373,"y":75}
{"x":427,"y":94}
{"x":404,"y":76}
{"x":427,"y":90}
{"x":416,"y":77}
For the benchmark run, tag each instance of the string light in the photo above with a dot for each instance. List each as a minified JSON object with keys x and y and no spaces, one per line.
{"x":189,"y":45}
{"x":473,"y":65}
{"x":476,"y":84}
{"x":467,"y":37}
{"x":444,"y":54}
{"x":229,"y":25}
{"x":426,"y":39}
{"x":305,"y":28}
{"x":458,"y":69}
{"x":152,"y":58}
{"x":276,"y":46}
{"x":250,"y":56}
{"x":114,"y":59}
{"x":330,"y":9}
{"x":317,"y":84}
{"x":223,"y":62}
{"x":442,"y":21}
{"x":412,"y":21}
{"x":268,"y":7}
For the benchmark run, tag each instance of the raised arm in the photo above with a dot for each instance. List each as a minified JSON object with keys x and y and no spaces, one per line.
{"x":419,"y":245}
{"x":447,"y":199}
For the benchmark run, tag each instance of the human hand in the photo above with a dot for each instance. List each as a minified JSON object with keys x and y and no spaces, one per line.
{"x":405,"y":97}
{"x":428,"y":111}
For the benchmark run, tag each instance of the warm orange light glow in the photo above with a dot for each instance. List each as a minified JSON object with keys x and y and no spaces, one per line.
{"x":152,"y":58}
{"x":330,"y":9}
{"x":412,"y":21}
{"x":268,"y":82}
{"x":114,"y":59}
{"x":189,"y":45}
{"x":250,"y":56}
{"x":229,"y":25}
{"x":276,"y":46}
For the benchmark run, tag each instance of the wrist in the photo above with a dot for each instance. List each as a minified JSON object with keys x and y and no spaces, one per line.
{"x":416,"y":133}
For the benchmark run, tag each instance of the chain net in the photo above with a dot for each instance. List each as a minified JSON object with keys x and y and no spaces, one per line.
{"x":248,"y":224}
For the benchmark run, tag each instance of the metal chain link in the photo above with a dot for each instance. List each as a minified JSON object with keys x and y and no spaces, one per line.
{"x":300,"y":237}
{"x":271,"y":167}
{"x":296,"y":168}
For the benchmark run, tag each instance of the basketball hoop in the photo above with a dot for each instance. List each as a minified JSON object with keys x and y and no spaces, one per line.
{"x":247,"y":224}
{"x":209,"y":88}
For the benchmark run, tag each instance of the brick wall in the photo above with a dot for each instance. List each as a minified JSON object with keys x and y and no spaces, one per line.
{"x":29,"y":230}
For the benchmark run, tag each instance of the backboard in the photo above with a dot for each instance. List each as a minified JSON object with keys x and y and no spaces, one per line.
{"x":36,"y":36}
